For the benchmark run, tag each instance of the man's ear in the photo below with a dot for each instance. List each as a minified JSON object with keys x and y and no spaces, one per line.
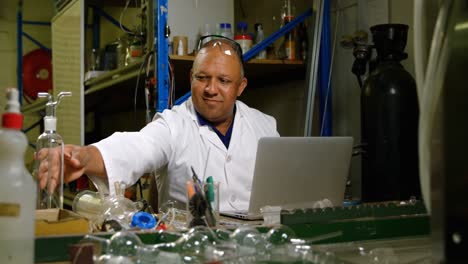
{"x":242,"y":86}
{"x":191,"y":76}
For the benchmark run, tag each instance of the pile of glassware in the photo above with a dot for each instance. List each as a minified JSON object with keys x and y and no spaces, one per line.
{"x":246,"y":244}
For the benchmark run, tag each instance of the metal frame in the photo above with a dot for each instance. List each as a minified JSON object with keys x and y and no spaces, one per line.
{"x":324,"y":77}
{"x":276,"y":35}
{"x":264,"y":44}
{"x":313,"y":69}
{"x":162,"y":58}
{"x":19,"y":43}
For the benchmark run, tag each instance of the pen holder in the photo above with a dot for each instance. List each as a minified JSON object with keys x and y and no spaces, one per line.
{"x":202,"y":204}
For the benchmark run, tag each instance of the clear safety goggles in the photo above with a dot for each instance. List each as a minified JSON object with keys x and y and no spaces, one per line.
{"x":226,"y":45}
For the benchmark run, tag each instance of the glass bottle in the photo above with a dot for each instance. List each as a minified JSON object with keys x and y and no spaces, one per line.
{"x":258,"y":39}
{"x":52,"y":194}
{"x":289,"y":43}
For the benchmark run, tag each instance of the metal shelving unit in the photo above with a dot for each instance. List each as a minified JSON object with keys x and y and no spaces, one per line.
{"x":20,"y":33}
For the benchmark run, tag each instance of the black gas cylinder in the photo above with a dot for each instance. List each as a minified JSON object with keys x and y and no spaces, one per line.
{"x":389,"y":121}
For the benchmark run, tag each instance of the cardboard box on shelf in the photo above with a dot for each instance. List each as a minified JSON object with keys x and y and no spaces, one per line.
{"x":59,"y":222}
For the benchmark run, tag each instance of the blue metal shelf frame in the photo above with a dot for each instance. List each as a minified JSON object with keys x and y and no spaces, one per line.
{"x":97,"y":14}
{"x":264,"y":44}
{"x":324,"y":80}
{"x":162,"y":58}
{"x":19,"y":44}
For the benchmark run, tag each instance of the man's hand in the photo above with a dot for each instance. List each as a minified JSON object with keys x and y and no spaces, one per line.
{"x":77,"y":161}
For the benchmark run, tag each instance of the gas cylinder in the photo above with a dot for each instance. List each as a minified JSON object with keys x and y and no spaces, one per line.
{"x":389,"y":121}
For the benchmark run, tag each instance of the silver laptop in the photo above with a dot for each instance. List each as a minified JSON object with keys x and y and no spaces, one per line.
{"x":296,"y":172}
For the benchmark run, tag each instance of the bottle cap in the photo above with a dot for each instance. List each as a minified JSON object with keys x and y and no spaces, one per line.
{"x":143,"y":220}
{"x":12,"y":118}
{"x":242,"y":25}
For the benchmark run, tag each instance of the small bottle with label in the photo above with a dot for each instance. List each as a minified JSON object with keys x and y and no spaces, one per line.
{"x":242,"y":37}
{"x":17,"y":195}
{"x":289,"y":43}
{"x":134,"y":50}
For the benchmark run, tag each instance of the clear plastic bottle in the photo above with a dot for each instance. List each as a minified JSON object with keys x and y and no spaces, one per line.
{"x":122,"y":51}
{"x":226,"y":30}
{"x":206,"y":31}
{"x":52,"y":195}
{"x":259,"y":37}
{"x":17,"y":187}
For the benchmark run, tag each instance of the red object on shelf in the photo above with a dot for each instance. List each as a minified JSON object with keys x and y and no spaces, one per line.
{"x":37,"y":72}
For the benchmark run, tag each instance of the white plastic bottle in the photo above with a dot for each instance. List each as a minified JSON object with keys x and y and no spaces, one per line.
{"x":52,"y":195}
{"x":180,"y":48}
{"x":17,"y":188}
{"x":242,"y":37}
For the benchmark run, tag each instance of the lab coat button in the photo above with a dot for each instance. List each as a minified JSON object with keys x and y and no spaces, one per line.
{"x":233,"y":198}
{"x":228,"y":159}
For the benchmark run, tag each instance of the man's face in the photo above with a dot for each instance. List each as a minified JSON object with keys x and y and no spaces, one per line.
{"x":216,"y":82}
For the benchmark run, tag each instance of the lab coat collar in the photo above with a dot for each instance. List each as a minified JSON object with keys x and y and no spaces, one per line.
{"x":208,"y":133}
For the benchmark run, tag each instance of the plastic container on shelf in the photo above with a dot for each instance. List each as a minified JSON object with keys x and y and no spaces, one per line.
{"x":242,"y":37}
{"x":17,"y":195}
{"x":206,"y":31}
{"x":226,"y":30}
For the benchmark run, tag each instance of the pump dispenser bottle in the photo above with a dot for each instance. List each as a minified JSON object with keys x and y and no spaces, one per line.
{"x":17,"y":193}
{"x":51,"y":196}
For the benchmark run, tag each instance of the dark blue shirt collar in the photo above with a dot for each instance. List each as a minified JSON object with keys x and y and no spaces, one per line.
{"x":226,"y":139}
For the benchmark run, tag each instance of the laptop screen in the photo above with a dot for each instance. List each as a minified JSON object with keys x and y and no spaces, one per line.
{"x":295,"y":172}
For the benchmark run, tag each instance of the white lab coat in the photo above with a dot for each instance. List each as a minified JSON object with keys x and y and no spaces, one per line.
{"x":174,"y":142}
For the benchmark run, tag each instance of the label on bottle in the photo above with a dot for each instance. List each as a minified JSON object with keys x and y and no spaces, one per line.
{"x":290,"y":50}
{"x":136,"y":51}
{"x":9,"y":209}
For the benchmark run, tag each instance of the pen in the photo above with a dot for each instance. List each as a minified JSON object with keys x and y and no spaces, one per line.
{"x":196,"y":182}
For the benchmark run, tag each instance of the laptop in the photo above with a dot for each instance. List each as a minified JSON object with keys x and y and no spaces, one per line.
{"x":296,"y":172}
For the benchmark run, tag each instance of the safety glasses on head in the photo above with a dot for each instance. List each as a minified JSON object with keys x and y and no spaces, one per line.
{"x":226,"y":45}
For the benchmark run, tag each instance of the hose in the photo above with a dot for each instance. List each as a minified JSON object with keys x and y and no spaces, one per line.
{"x":429,"y":93}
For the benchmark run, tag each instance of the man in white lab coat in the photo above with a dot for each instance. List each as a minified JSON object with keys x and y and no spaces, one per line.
{"x":211,"y":132}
